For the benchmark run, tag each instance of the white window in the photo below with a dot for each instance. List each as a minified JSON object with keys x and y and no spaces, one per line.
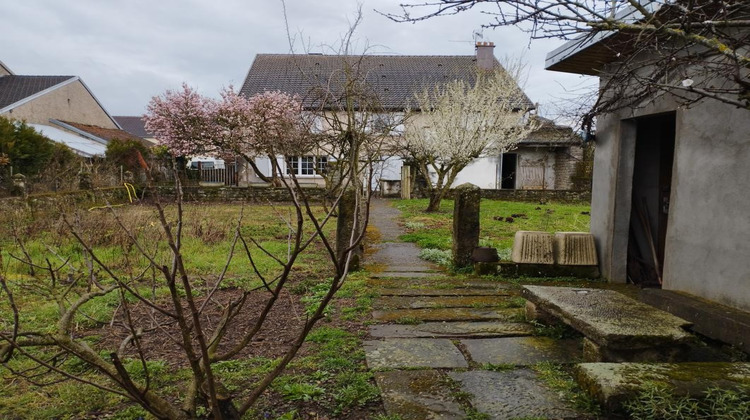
{"x":306,"y":165}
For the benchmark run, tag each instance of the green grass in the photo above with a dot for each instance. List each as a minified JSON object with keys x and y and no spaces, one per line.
{"x":658,"y":401}
{"x":561,"y":381}
{"x":433,"y":230}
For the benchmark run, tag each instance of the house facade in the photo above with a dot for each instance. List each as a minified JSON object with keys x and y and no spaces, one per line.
{"x":668,"y":197}
{"x":542,"y":161}
{"x":55,"y":105}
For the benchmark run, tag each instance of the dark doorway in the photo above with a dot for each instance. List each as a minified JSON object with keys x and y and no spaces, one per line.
{"x":508,"y":171}
{"x":652,"y":186}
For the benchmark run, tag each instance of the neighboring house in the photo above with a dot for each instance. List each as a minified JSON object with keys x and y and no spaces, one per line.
{"x":44,"y":102}
{"x":393,"y":82}
{"x":136,"y":126}
{"x":683,"y":169}
{"x":545,"y":160}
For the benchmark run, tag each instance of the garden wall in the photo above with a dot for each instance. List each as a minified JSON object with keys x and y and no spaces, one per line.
{"x":567,"y":196}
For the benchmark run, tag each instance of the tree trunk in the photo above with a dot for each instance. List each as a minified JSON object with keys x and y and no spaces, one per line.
{"x":436,"y":196}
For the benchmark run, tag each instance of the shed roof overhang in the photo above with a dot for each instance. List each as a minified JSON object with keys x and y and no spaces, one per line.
{"x":588,"y":53}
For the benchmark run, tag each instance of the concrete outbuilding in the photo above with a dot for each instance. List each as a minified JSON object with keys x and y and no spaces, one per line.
{"x":669,"y":197}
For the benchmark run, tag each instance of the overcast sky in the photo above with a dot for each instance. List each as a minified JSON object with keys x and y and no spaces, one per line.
{"x":128,"y":51}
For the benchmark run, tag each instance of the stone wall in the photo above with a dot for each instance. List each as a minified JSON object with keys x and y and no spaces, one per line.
{"x":565,"y":166}
{"x":117,"y":195}
{"x":536,"y":195}
{"x":240,"y":194}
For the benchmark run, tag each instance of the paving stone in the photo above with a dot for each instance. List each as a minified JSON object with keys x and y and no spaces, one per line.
{"x":439,"y":282}
{"x":608,"y":318}
{"x":417,"y":395}
{"x":401,"y":254}
{"x":403,"y":274}
{"x":523,"y":350}
{"x":512,"y":394}
{"x":452,"y":330}
{"x":420,"y":302}
{"x":413,"y":352}
{"x":447,"y":314}
{"x":614,"y":383}
{"x":442,"y":292}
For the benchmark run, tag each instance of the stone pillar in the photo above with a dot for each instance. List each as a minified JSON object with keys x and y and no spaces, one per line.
{"x":345,"y":225}
{"x":406,"y":182}
{"x":465,"y":223}
{"x":19,"y":185}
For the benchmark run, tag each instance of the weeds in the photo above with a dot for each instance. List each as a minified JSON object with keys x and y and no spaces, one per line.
{"x":658,"y":401}
{"x":562,"y":382}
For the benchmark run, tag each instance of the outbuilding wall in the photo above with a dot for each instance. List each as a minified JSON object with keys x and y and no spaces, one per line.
{"x":707,"y":251}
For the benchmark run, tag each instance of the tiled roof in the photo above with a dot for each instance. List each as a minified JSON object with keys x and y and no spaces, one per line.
{"x":133,"y":125}
{"x":392,"y":79}
{"x":17,"y":88}
{"x":107,"y":134}
{"x":551,"y":134}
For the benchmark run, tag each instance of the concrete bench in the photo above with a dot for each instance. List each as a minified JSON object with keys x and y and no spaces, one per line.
{"x":616,"y":328}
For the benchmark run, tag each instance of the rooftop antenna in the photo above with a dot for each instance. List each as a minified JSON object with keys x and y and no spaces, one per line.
{"x":477,"y":35}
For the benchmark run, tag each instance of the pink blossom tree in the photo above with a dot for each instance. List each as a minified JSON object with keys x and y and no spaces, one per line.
{"x":182,"y":120}
{"x":269,"y":123}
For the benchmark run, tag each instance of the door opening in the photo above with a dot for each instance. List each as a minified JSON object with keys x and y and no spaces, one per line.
{"x":508,"y":171}
{"x":652,"y":186}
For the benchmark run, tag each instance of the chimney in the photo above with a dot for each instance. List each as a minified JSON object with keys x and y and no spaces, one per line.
{"x":485,"y":55}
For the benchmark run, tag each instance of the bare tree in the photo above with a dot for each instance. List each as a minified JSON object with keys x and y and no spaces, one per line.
{"x":456,"y":123}
{"x":693,"y":49}
{"x":182,"y":317}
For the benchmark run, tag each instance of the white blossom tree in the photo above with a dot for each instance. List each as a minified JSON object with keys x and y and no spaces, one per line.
{"x":458,"y":122}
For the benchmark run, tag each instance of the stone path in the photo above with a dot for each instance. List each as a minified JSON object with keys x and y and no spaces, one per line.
{"x":441,"y":339}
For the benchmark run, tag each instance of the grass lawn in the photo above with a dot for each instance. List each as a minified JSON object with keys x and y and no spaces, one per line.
{"x":328,"y":377}
{"x":499,"y":221}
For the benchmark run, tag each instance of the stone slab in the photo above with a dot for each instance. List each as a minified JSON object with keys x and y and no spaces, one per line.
{"x":447,"y":314}
{"x":398,"y":254}
{"x":399,"y":353}
{"x":575,"y":248}
{"x":533,"y":248}
{"x":711,"y":319}
{"x":523,"y":351}
{"x":512,"y":394}
{"x":442,"y":292}
{"x":614,"y":383}
{"x":403,"y":274}
{"x":511,"y":269}
{"x":417,"y":395}
{"x":609,"y":318}
{"x":452,"y":330}
{"x":439,"y":282}
{"x":421,"y":302}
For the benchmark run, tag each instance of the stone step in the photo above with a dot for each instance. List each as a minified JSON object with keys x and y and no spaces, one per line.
{"x":614,"y":383}
{"x":610,"y":320}
{"x":448,"y":314}
{"x":418,"y":395}
{"x":422,"y":302}
{"x":523,"y":351}
{"x":513,"y":394}
{"x":399,"y":353}
{"x":444,"y":292}
{"x":452,"y":330}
